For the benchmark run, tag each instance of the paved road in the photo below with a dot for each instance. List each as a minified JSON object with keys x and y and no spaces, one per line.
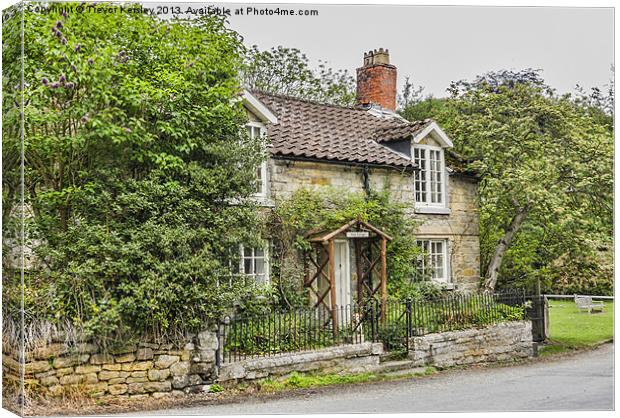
{"x":580,"y":382}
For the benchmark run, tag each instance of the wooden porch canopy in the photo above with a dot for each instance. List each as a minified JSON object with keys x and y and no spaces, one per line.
{"x":370,"y":244}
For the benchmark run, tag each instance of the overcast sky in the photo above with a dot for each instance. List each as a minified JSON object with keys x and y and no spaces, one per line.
{"x":436,"y":45}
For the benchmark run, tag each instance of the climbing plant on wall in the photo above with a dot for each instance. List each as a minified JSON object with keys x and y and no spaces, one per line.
{"x":327,"y":209}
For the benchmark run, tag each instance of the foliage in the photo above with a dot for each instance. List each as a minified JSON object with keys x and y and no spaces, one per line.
{"x":463,"y":312}
{"x":470,"y":315}
{"x":599,"y":101}
{"x":411,"y":94}
{"x":424,"y":109}
{"x":413,"y":105}
{"x":418,"y":291}
{"x":545,"y":163}
{"x":303,"y":380}
{"x":329,"y":209}
{"x":215,"y":388}
{"x":287,"y":71}
{"x":298,"y":380}
{"x":134,"y":147}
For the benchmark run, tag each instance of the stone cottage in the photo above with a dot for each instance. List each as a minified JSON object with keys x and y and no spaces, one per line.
{"x":315,"y":145}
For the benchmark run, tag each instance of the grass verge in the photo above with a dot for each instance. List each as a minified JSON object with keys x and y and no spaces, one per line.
{"x":572,"y":329}
{"x":306,"y":381}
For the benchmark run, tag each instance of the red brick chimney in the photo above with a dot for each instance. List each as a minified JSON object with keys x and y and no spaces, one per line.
{"x":376,"y":80}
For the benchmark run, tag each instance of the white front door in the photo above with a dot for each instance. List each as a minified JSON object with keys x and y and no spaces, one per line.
{"x":342,"y":273}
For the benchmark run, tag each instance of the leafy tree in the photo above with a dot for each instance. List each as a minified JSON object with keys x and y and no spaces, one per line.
{"x":427,"y":108}
{"x":546,"y":171}
{"x":287,"y":71}
{"x":411,"y":94}
{"x":599,"y":101}
{"x":137,"y":169}
{"x":413,"y":105}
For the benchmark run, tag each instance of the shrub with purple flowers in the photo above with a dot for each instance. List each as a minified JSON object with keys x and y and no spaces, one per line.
{"x":127,"y":169}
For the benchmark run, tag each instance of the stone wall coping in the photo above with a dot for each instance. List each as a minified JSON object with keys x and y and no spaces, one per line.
{"x":471,"y":332}
{"x":289,"y":359}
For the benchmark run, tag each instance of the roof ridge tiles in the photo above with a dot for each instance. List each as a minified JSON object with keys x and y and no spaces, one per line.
{"x":300,"y":99}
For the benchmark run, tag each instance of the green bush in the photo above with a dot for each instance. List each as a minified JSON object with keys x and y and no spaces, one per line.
{"x":131,"y":163}
{"x":418,"y":291}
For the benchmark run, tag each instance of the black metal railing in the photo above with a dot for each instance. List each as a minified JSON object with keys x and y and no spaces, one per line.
{"x":282,"y":331}
{"x":465,"y":311}
{"x":393,"y":323}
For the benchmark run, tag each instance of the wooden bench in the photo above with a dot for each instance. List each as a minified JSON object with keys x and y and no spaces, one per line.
{"x":586,"y":303}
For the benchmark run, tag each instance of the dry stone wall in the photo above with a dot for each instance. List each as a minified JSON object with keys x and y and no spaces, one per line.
{"x":355,"y":358}
{"x":157,"y":370}
{"x":137,"y":370}
{"x":500,"y":342}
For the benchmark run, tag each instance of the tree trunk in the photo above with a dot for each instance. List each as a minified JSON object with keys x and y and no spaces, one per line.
{"x":503,"y":244}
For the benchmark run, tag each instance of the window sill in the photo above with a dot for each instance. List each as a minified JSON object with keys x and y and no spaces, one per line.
{"x":444,"y":285}
{"x":432,"y":210}
{"x":263,"y":201}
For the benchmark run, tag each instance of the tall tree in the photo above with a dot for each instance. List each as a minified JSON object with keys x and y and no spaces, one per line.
{"x":599,"y":100}
{"x":414,"y":105}
{"x":545,"y":163}
{"x":288,"y":71}
{"x":134,"y":148}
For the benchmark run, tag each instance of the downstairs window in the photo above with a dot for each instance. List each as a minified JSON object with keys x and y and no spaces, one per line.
{"x":254,"y":263}
{"x":433,"y":263}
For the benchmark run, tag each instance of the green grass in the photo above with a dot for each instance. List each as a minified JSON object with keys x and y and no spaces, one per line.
{"x":304,"y":381}
{"x":298,"y":380}
{"x":572,"y":329}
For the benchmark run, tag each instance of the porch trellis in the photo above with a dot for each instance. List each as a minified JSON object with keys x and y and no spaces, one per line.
{"x":369,"y":241}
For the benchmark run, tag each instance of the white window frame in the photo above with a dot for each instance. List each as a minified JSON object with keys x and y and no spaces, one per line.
{"x":444,"y":178}
{"x":263,"y":166}
{"x":242,"y":257}
{"x":447,"y":276}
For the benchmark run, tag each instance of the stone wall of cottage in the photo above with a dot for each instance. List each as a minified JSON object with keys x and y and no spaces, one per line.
{"x":135,"y":370}
{"x":460,"y":227}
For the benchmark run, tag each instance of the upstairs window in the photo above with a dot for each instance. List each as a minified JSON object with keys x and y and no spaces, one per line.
{"x":433,"y":263}
{"x":429,"y":179}
{"x":256,"y":130}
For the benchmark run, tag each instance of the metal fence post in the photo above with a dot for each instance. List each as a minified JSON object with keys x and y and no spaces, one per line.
{"x":409,"y":323}
{"x":218,"y":352}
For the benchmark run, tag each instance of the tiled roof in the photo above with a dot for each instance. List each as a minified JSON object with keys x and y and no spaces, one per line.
{"x":405,"y":130}
{"x":307,"y":129}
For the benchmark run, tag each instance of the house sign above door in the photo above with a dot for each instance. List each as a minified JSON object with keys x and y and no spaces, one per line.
{"x":358,"y":234}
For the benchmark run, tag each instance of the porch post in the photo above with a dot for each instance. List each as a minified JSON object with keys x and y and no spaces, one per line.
{"x":358,"y":268}
{"x":332,"y":287}
{"x":383,"y":277}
